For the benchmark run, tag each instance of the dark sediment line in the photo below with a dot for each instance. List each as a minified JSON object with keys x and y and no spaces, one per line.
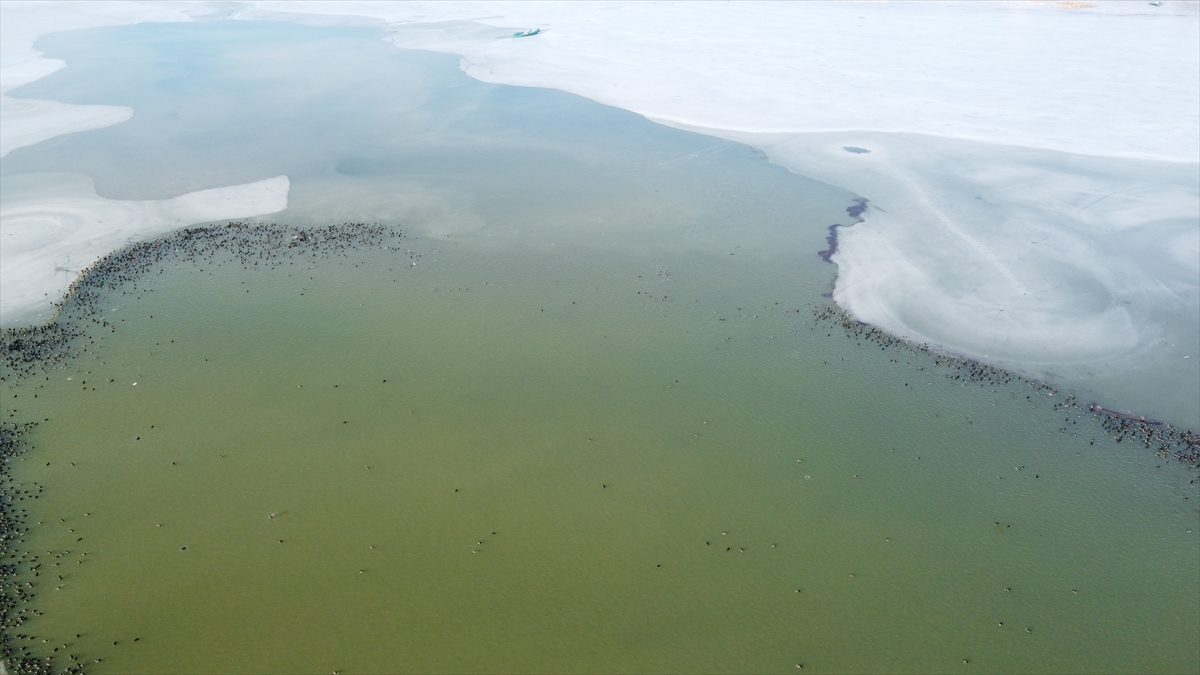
{"x":832,"y":240}
{"x":25,"y":352}
{"x":860,"y":205}
{"x":1165,"y":439}
{"x":855,"y":211}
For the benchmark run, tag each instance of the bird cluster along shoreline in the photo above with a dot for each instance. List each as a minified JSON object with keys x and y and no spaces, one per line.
{"x":28,"y":349}
{"x":36,"y":350}
{"x":1166,"y":439}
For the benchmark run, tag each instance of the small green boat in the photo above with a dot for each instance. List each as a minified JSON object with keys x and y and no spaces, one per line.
{"x":527,"y":33}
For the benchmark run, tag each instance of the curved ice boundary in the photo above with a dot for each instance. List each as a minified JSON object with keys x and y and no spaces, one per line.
{"x":52,"y":226}
{"x":25,"y":122}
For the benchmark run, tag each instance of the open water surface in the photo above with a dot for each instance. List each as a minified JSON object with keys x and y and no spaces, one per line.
{"x":582,"y":416}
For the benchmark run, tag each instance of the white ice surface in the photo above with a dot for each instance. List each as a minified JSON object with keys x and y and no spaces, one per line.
{"x":52,"y":226}
{"x":1035,"y":107}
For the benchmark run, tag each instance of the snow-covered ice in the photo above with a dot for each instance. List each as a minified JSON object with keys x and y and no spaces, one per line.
{"x":1032,"y":170}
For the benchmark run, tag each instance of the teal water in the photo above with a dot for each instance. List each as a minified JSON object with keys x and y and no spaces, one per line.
{"x":613,"y":434}
{"x":368,"y":132}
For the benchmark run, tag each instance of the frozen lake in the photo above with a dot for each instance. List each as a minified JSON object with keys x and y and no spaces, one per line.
{"x":592,"y":411}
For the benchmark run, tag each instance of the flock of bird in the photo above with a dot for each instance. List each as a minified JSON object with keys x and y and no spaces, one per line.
{"x":32,"y":351}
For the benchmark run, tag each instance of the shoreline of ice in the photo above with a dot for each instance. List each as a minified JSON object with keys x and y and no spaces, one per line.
{"x":54,"y":225}
{"x":1003,"y":254}
{"x":1031,"y":169}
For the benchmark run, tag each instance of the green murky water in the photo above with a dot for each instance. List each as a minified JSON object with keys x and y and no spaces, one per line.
{"x":554,"y":428}
{"x":567,"y":439}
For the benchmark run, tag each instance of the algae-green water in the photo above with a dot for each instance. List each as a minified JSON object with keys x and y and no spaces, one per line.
{"x":581,"y":418}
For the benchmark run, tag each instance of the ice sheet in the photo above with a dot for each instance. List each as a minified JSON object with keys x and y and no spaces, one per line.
{"x":54,"y":225}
